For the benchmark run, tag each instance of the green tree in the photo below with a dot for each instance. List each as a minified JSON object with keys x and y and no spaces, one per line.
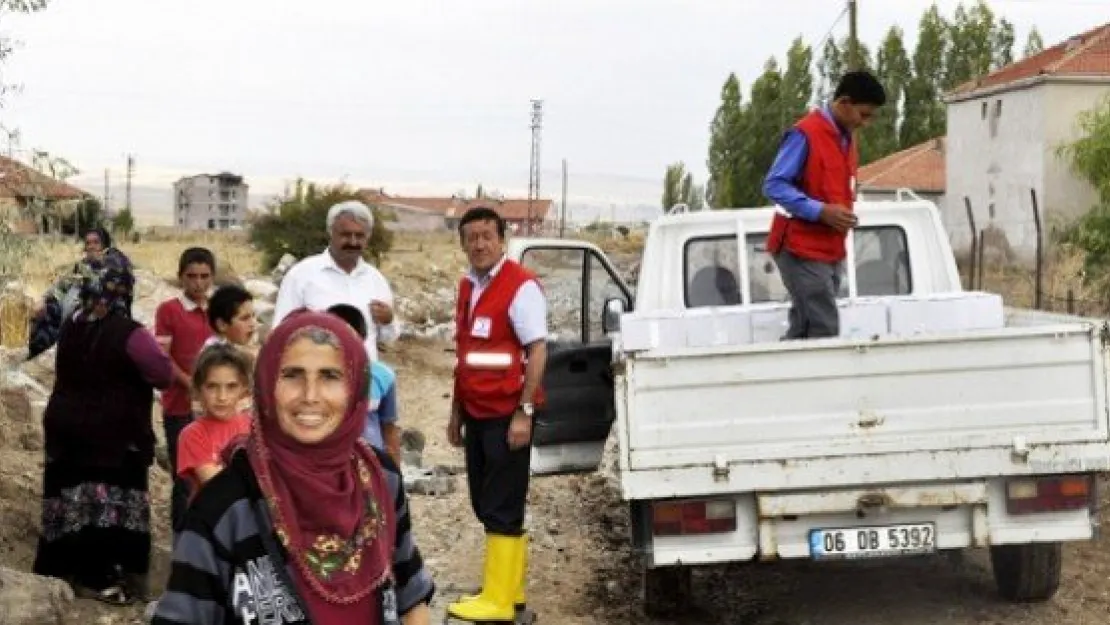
{"x":673,"y":182}
{"x":1002,"y":44}
{"x":796,"y":93}
{"x":923,"y":115}
{"x":1089,"y":157}
{"x":88,"y":213}
{"x":894,"y":71}
{"x":763,"y":134}
{"x":830,"y":67}
{"x":695,"y":197}
{"x":1034,"y":45}
{"x":124,"y":222}
{"x":726,"y":146}
{"x":980,"y":43}
{"x":295,"y":224}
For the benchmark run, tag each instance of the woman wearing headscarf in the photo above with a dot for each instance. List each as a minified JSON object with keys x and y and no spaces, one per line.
{"x":64,"y":296}
{"x":100,"y":445}
{"x":307,"y":523}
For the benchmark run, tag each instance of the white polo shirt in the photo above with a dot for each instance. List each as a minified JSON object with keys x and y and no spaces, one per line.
{"x":317,"y":283}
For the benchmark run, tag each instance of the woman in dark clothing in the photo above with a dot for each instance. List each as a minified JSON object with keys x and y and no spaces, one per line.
{"x":63,"y":298}
{"x":307,"y":523}
{"x":100,"y":444}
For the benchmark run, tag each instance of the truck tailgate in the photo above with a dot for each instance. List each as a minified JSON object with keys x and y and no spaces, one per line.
{"x":805,"y":399}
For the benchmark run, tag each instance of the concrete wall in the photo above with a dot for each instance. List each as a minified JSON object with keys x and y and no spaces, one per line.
{"x":995,"y":156}
{"x":206,"y":203}
{"x":1067,"y":196}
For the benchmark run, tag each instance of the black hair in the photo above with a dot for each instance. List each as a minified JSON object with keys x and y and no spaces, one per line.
{"x":102,"y":234}
{"x":482,"y":213}
{"x":861,"y":88}
{"x":352,"y":316}
{"x":196,"y":256}
{"x":225,"y":302}
{"x":221,"y":355}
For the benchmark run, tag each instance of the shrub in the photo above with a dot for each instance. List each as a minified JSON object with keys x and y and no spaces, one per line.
{"x":295,"y":224}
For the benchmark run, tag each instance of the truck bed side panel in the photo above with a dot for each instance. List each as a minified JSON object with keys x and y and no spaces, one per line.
{"x":1032,"y":386}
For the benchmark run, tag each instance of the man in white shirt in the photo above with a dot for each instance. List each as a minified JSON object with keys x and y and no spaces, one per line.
{"x":339,"y":275}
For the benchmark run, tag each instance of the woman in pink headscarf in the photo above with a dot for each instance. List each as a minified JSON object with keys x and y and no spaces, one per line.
{"x":306,"y":524}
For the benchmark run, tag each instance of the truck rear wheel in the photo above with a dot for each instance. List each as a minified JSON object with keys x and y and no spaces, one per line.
{"x":667,"y":590}
{"x":1027,"y":573}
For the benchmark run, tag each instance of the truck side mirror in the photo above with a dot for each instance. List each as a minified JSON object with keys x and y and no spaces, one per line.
{"x":611,"y":315}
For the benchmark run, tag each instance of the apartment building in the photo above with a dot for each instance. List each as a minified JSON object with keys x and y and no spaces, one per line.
{"x":210,"y":202}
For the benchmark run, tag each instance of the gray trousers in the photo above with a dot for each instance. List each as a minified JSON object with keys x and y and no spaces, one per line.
{"x":813,"y":286}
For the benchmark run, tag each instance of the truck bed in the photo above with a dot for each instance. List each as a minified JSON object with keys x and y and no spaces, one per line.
{"x":1036,"y":388}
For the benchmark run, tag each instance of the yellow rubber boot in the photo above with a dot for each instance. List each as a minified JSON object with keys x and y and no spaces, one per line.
{"x":521,"y":599}
{"x":500,"y":580}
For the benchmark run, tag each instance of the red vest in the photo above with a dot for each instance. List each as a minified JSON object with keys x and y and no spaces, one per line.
{"x":489,"y":374}
{"x":828,"y":177}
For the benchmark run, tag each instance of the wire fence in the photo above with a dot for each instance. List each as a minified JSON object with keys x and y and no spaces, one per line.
{"x":1055,"y":280}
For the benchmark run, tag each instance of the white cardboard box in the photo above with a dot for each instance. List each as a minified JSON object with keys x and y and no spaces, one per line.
{"x":947,"y":312}
{"x":859,"y":318}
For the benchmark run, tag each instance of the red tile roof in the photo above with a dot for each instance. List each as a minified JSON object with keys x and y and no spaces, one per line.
{"x":918,"y":168}
{"x":1083,"y":55}
{"x":509,"y":209}
{"x":20,"y":181}
{"x":512,"y":209}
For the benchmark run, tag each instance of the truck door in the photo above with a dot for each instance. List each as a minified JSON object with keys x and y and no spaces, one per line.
{"x":569,"y":433}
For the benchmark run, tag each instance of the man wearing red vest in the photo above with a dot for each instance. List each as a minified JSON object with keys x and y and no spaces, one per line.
{"x":813,"y":182}
{"x":500,"y":340}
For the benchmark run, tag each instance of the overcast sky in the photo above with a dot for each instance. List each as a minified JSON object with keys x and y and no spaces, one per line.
{"x":418,"y":96}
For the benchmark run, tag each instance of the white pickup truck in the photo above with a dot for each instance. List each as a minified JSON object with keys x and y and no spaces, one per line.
{"x":736,"y":446}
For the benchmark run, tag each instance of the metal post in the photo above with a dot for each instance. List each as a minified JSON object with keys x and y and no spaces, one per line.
{"x":974,"y":244}
{"x":980,"y":263}
{"x":1038,"y":288}
{"x":563,"y":209}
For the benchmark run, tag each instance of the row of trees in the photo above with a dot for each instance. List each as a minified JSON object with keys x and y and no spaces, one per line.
{"x":745,"y":132}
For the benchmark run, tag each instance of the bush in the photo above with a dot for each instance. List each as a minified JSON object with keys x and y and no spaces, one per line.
{"x":296,"y":225}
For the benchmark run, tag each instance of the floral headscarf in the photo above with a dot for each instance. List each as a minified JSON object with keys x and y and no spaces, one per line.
{"x":329,"y":501}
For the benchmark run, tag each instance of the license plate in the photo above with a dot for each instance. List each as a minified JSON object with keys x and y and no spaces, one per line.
{"x":882,"y":541}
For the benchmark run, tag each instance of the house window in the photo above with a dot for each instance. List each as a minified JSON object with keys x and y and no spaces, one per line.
{"x":983,"y":110}
{"x":994,"y":118}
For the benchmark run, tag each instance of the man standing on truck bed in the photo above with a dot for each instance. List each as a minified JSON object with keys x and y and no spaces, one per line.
{"x":500,"y":337}
{"x":813,"y":181}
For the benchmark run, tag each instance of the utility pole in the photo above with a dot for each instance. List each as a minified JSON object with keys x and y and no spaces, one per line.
{"x":107,"y":195}
{"x":130,"y":173}
{"x":854,"y":63}
{"x":563,"y":209}
{"x":534,"y":165}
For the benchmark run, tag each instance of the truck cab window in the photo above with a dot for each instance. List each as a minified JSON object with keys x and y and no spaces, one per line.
{"x":560,"y":272}
{"x":882,"y":268}
{"x":711,"y":272}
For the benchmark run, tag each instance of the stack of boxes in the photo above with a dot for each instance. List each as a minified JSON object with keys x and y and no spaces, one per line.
{"x":860,"y":318}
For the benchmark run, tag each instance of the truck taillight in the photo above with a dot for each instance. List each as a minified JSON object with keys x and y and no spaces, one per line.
{"x":1048,"y":494}
{"x":693,"y":516}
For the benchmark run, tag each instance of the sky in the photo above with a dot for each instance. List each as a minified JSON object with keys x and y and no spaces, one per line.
{"x":416,"y":96}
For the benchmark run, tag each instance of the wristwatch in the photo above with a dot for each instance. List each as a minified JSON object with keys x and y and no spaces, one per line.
{"x":527,"y":409}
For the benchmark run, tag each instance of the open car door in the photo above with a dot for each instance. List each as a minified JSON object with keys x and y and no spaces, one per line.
{"x":569,"y":433}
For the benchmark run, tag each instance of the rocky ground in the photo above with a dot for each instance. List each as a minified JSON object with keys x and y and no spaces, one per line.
{"x":582,"y":569}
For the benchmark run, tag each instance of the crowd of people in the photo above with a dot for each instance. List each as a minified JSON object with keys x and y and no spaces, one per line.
{"x":288,"y":503}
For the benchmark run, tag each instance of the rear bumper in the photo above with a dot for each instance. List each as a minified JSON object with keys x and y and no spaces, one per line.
{"x":774,"y":526}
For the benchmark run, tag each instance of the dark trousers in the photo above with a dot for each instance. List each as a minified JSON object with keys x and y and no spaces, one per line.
{"x":496,"y":476}
{"x":813,"y":286}
{"x":179,"y":499}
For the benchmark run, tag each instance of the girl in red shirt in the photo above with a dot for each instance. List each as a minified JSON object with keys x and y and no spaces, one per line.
{"x":221,"y":381}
